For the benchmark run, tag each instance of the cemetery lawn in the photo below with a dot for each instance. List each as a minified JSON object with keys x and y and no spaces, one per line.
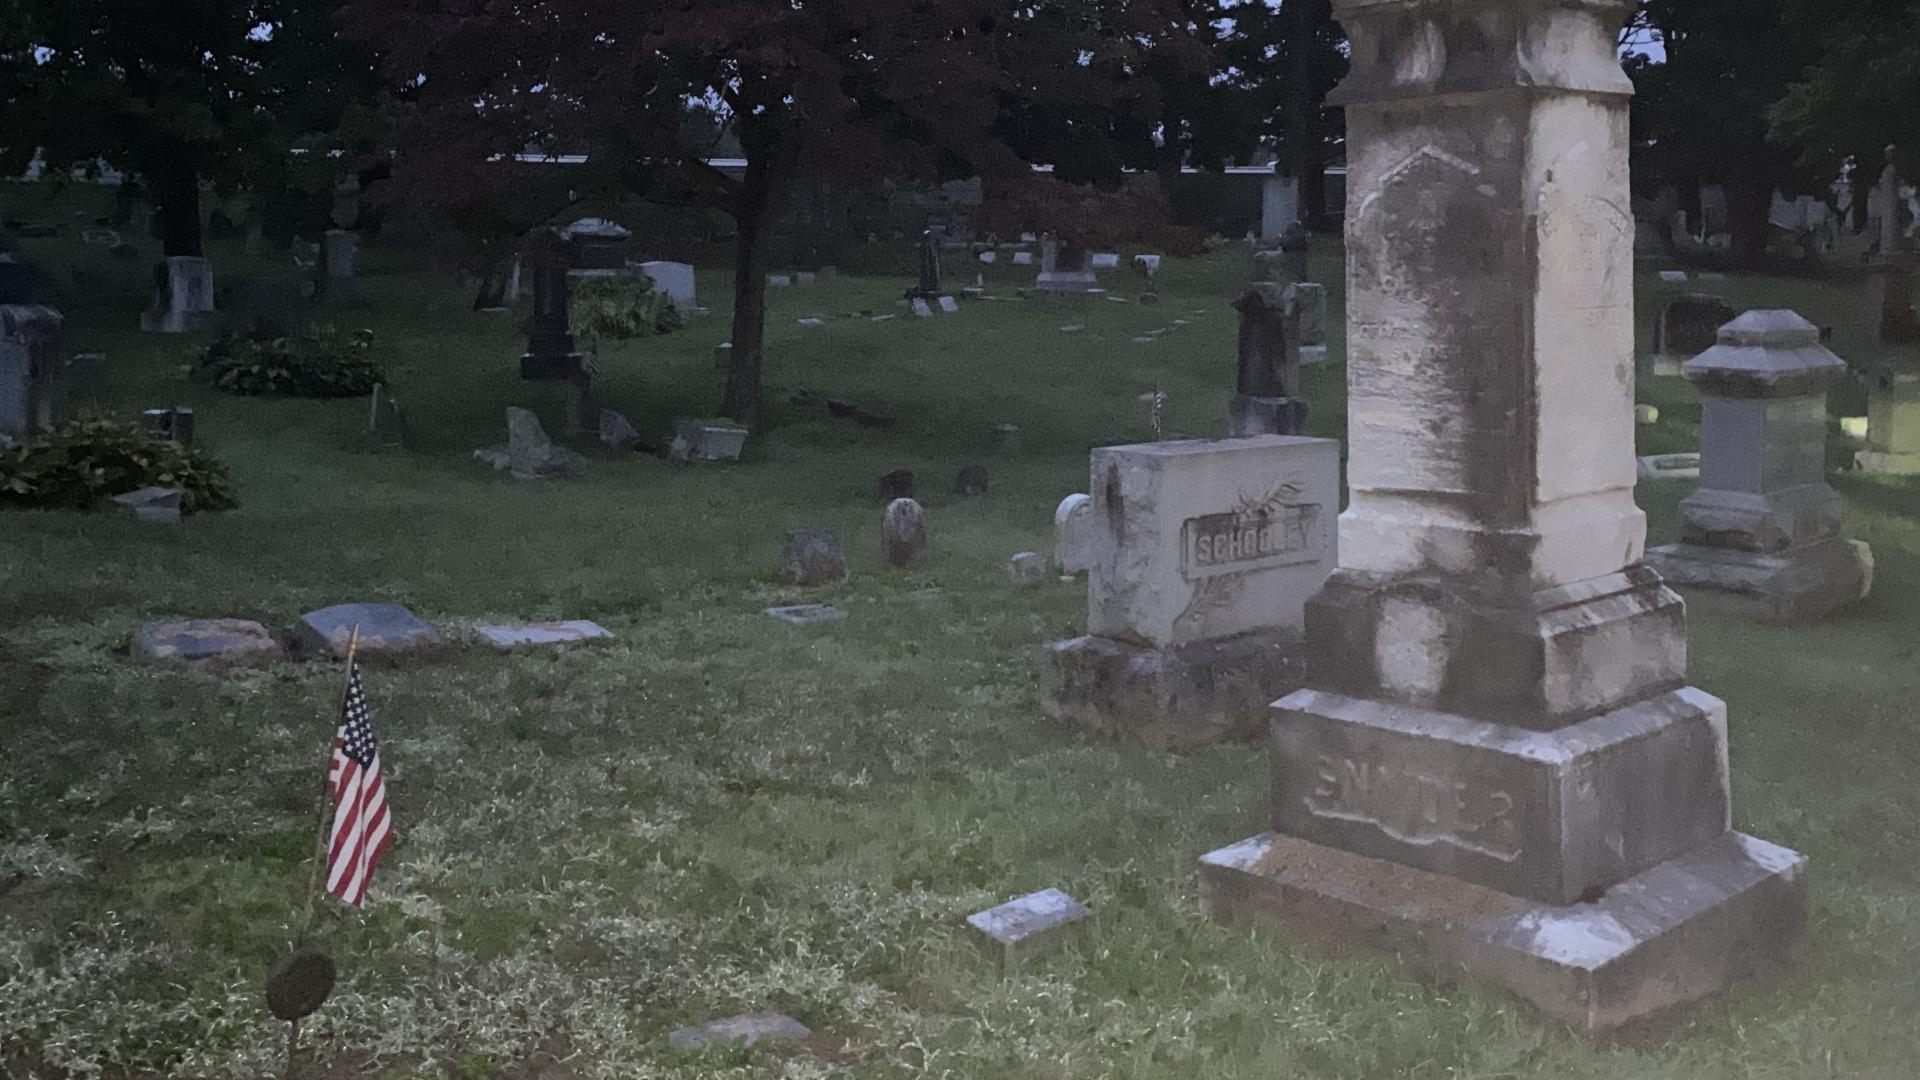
{"x":719,"y":813}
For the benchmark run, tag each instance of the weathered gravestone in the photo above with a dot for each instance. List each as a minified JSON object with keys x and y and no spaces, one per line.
{"x":1267,"y":398}
{"x":903,"y":534}
{"x":617,"y":432}
{"x":182,"y":296}
{"x":550,"y":351}
{"x":532,"y":455}
{"x":339,"y":252}
{"x":1497,"y":768}
{"x":1689,"y":325}
{"x":1764,"y":526}
{"x":1204,"y":555}
{"x":1283,"y":258}
{"x":813,"y":557}
{"x":673,"y":280}
{"x":387,"y":418}
{"x":1026,"y":569}
{"x":1053,"y":281}
{"x":217,"y":641}
{"x":384,"y":628}
{"x":1891,"y":284}
{"x":930,"y":279}
{"x":748,"y":1030}
{"x":1073,"y":527}
{"x":515,"y":635}
{"x":156,"y":505}
{"x":699,"y":440}
{"x":32,"y":370}
{"x":1893,"y":425}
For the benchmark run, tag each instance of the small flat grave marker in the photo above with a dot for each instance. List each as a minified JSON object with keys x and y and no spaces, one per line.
{"x":384,"y":628}
{"x":989,"y":257}
{"x":220,"y":640}
{"x":1105,"y":260}
{"x":1027,"y":569}
{"x":748,"y":1029}
{"x":1670,"y":467}
{"x":949,"y":305}
{"x":807,"y":614}
{"x":813,"y":320}
{"x":779,"y":281}
{"x":922,"y":309}
{"x":512,"y":635}
{"x":1023,"y":258}
{"x":1019,"y":927}
{"x":1673,"y":277}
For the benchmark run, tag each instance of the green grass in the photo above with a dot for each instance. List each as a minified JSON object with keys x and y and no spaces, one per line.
{"x":718,"y":813}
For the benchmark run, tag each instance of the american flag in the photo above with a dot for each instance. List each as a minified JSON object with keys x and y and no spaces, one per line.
{"x":362,"y":829}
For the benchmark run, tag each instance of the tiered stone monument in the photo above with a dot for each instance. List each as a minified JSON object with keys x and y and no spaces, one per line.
{"x":1764,"y":527}
{"x":1893,"y":425}
{"x":182,"y":296}
{"x":1267,"y":399}
{"x":1497,"y":767}
{"x":1203,"y":555}
{"x":32,"y":366}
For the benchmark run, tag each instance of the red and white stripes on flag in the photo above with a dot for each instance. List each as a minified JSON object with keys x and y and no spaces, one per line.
{"x":362,"y":829}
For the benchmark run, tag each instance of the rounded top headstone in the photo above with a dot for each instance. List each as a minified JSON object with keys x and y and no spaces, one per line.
{"x":1766,"y":354}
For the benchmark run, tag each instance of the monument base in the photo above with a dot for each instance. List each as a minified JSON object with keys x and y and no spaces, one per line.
{"x":1179,"y":699}
{"x":1795,"y":586}
{"x":174,"y":322}
{"x":1249,"y":416}
{"x":1679,"y":932}
{"x":1064,"y":282}
{"x":1872,"y":461}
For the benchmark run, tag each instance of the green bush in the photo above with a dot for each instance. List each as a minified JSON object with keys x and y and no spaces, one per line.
{"x":318,"y":362}
{"x":621,"y":308}
{"x":84,"y":462}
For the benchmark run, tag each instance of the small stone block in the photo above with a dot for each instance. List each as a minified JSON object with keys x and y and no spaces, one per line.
{"x":747,"y":1030}
{"x":1646,"y":414}
{"x":807,"y":614}
{"x":155,"y":504}
{"x":949,"y":305}
{"x":1854,"y":427}
{"x":551,"y":633}
{"x":384,"y":628}
{"x":1027,"y":569}
{"x":1670,"y":467}
{"x":804,"y":277}
{"x":1673,"y":277}
{"x":1019,"y":927}
{"x":223,"y":640}
{"x":922,"y":309}
{"x":779,"y":281}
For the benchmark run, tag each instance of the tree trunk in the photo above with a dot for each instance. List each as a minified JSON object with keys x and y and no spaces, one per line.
{"x":752,"y":216}
{"x":176,"y":194}
{"x":1749,"y":219}
{"x":1298,"y":158}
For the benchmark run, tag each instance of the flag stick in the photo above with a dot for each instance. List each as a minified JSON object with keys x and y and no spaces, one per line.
{"x":326,"y":804}
{"x":319,"y":856}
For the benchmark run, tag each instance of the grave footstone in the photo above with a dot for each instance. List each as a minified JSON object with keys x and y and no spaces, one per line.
{"x":903,"y":534}
{"x":182,"y":298}
{"x":1027,"y":569}
{"x":217,"y":641}
{"x":1670,"y":467}
{"x":1073,"y":535}
{"x":1893,"y":425}
{"x":807,"y":614}
{"x":617,"y":432}
{"x":700,"y":440}
{"x":159,"y":505}
{"x":949,"y":305}
{"x":532,"y":455}
{"x":748,"y":1030}
{"x":1496,"y":769}
{"x":1764,"y":527}
{"x":384,"y":629}
{"x":921,"y":308}
{"x":1021,"y":928}
{"x":515,"y":635}
{"x":813,"y":557}
{"x":1204,"y":554}
{"x":33,"y":393}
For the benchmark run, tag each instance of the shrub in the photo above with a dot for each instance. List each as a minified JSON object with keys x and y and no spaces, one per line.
{"x":318,"y":362}
{"x":621,"y":308}
{"x":89,"y":460}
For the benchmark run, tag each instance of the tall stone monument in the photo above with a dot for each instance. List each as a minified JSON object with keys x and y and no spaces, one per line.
{"x":1497,"y":767}
{"x":1764,"y":526}
{"x":1267,"y":399}
{"x":1892,"y":278}
{"x":1204,"y":553}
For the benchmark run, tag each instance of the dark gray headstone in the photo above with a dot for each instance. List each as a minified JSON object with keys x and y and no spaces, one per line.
{"x":897,"y":484}
{"x":384,"y":628}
